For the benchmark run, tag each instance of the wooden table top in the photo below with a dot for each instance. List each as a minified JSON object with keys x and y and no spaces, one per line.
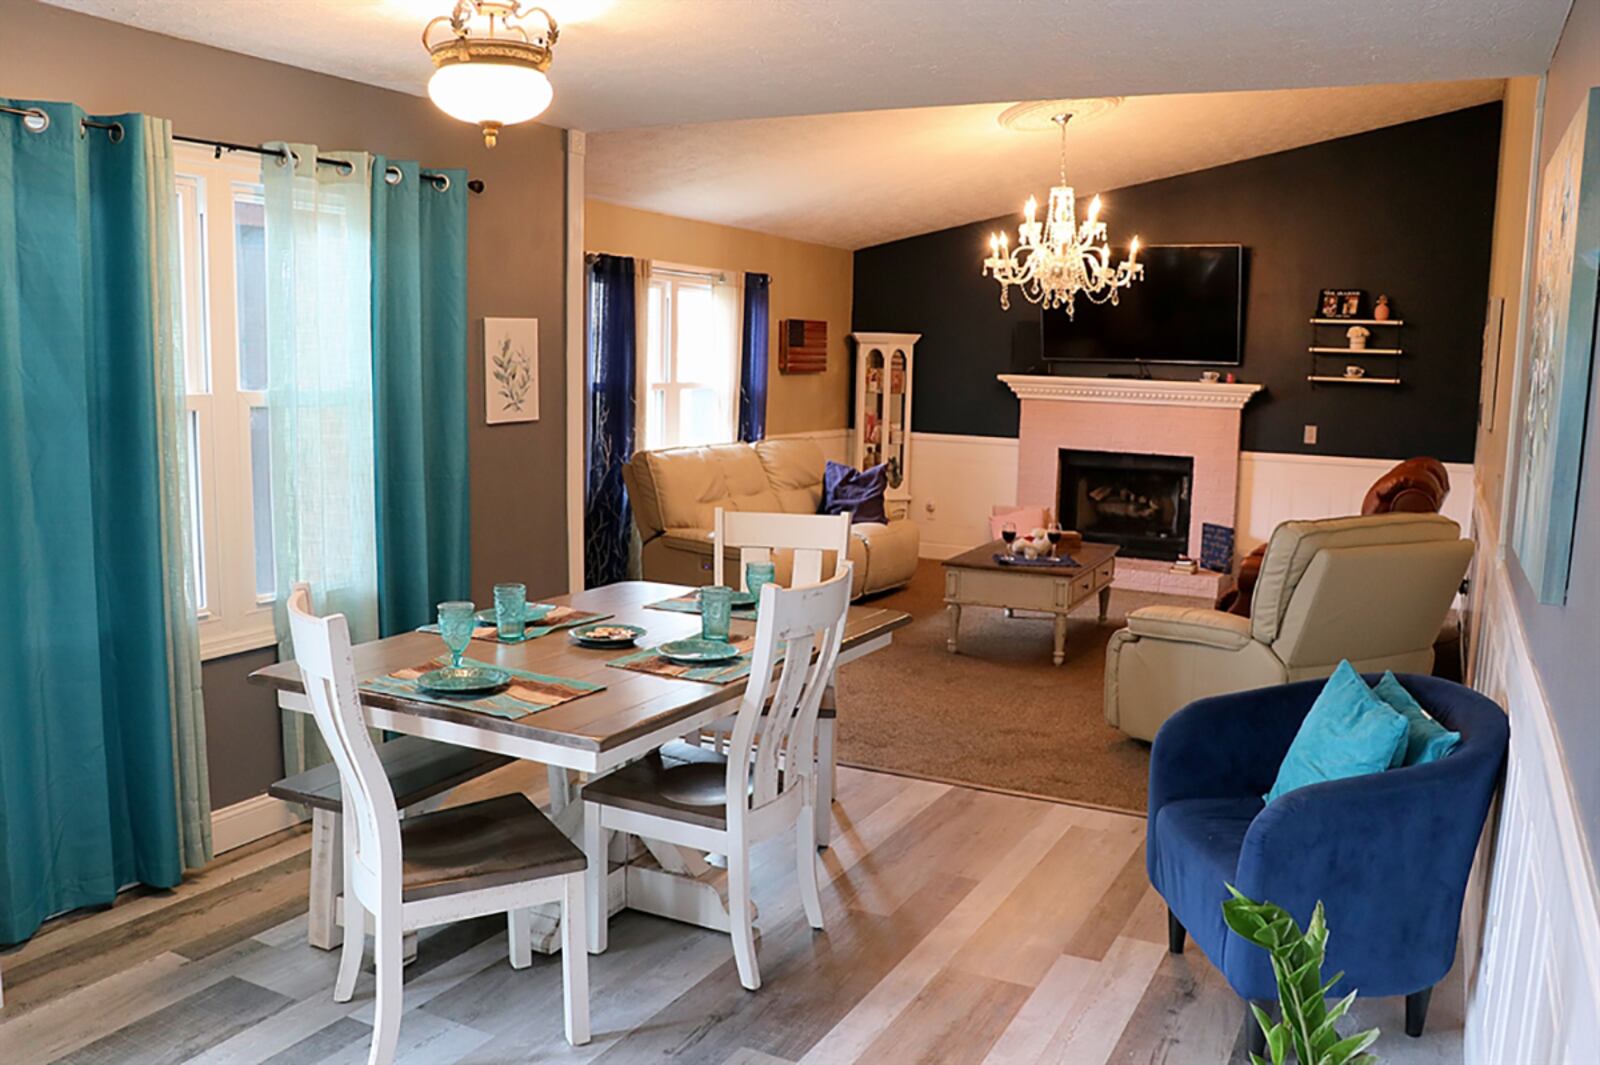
{"x":1088,"y":557}
{"x":632,"y":704}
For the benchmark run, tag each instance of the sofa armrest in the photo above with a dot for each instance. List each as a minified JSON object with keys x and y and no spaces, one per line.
{"x":1191,"y":625}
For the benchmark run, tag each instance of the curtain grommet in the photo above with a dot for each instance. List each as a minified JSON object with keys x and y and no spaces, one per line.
{"x":393,"y":175}
{"x":35,"y":120}
{"x":441,"y":182}
{"x":116,"y":133}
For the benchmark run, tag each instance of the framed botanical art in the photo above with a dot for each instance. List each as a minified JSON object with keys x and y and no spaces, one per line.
{"x":511,"y":369}
{"x":1555,"y":388}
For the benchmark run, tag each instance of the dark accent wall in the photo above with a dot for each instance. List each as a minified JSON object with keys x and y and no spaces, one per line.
{"x":1405,"y":210}
{"x":1564,"y":639}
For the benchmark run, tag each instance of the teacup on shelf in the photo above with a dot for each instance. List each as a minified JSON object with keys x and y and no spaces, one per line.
{"x":1355,"y":371}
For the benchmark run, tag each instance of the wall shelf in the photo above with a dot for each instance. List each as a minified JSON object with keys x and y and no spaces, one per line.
{"x":1357,"y":321}
{"x":1330,"y":379}
{"x":1357,"y":351}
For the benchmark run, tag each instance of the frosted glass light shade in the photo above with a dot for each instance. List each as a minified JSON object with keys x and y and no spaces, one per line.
{"x":485,"y":92}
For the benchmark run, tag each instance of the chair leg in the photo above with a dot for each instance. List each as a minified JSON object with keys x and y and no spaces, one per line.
{"x":744,"y":942}
{"x":1417,"y":1011}
{"x":1175,"y":933}
{"x":574,"y":961}
{"x":355,"y":945}
{"x":387,"y":957}
{"x":327,"y":864}
{"x":519,"y":931}
{"x":825,"y":771}
{"x":1255,"y":1038}
{"x":595,"y":877}
{"x":806,"y":839}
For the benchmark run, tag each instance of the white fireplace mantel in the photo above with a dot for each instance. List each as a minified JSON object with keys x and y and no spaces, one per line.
{"x":1131,"y":390}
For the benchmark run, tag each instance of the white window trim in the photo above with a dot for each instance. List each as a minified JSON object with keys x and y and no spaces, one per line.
{"x":234,"y":619}
{"x":668,"y":278}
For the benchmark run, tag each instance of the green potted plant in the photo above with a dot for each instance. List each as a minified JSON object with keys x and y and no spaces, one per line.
{"x":1307,"y":1025}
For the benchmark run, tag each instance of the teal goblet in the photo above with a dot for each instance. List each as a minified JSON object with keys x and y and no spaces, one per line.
{"x":716,"y":612}
{"x":757,"y":575}
{"x":457,"y":620}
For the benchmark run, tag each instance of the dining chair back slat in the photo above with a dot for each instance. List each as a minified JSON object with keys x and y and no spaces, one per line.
{"x":756,"y":535}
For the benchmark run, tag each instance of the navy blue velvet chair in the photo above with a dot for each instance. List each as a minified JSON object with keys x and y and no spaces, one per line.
{"x":1387,"y":853}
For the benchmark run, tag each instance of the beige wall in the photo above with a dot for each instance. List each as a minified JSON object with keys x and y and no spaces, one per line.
{"x":1505,"y":282}
{"x":516,"y":228}
{"x":808,"y":281}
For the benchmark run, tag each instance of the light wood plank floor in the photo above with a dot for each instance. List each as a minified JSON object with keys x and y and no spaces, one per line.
{"x":962,"y":926}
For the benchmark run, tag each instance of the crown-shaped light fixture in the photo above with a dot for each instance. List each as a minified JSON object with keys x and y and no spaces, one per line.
{"x":490,"y":69}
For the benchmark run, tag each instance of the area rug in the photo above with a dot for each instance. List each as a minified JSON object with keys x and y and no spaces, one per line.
{"x":997,"y":714}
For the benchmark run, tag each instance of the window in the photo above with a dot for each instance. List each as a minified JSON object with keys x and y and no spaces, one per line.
{"x":222,"y":284}
{"x":691,"y":367}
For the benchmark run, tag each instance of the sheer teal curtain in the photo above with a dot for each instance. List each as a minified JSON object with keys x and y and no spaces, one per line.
{"x":319,"y":353}
{"x":102,"y":752}
{"x":419,"y":353}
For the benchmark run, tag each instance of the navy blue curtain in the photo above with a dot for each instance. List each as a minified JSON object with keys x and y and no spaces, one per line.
{"x":419,"y":391}
{"x":753,"y":358}
{"x":608,"y":431}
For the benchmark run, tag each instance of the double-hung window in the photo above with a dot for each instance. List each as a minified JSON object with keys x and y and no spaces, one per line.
{"x":223,"y":284}
{"x":691,"y":371}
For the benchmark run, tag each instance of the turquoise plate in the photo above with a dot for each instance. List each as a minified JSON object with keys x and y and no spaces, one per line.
{"x":468,"y":680}
{"x":740,"y":598}
{"x":533,"y":614}
{"x":581,"y":635}
{"x":697,"y":650}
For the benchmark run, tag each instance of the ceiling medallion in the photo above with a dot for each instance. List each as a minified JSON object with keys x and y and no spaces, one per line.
{"x":490,"y":70}
{"x":1059,"y":259}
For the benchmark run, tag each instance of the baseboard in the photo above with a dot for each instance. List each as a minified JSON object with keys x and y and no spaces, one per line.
{"x":245,"y":822}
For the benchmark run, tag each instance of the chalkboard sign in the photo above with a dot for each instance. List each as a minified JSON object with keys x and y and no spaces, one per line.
{"x":1216,"y":547}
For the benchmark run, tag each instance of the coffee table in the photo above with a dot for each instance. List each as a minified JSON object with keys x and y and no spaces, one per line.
{"x":974,"y":578}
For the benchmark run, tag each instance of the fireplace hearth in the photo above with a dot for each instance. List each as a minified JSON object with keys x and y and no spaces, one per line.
{"x":1139,"y":502}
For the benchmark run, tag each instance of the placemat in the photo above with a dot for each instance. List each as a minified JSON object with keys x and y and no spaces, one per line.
{"x":648,"y":661}
{"x":1064,"y":562}
{"x":690,"y":604}
{"x":561,"y":617}
{"x":526,"y":693}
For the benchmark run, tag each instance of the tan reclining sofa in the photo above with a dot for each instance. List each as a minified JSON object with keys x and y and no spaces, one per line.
{"x":1370,"y":589}
{"x":675,"y":494}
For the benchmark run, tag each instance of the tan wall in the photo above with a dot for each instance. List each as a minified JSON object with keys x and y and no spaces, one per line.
{"x":516,"y":228}
{"x":808,"y":281}
{"x":1505,"y":281}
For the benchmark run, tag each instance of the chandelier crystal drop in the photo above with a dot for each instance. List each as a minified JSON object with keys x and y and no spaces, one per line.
{"x":1059,"y":259}
{"x":490,"y":69}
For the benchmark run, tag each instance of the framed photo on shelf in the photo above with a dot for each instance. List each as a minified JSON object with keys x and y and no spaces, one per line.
{"x":1341,"y":302}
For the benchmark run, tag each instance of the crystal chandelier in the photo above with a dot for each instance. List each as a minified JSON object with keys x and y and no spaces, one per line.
{"x":495,"y":77}
{"x":1057,"y":260}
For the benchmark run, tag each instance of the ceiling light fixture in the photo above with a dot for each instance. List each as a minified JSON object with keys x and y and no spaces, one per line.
{"x":495,"y":76}
{"x":1057,"y":260}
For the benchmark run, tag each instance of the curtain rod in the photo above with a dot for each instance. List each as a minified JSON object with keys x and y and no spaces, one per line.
{"x":36,"y":120}
{"x":718,"y":276}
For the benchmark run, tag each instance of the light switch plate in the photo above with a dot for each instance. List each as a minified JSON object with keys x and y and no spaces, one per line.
{"x":1311,"y":434}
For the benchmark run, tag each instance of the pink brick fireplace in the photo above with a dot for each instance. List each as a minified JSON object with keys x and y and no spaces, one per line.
{"x":1184,"y":418}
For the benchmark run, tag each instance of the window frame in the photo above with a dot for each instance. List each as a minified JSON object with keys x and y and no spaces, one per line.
{"x":665,"y":394}
{"x":232,"y":617}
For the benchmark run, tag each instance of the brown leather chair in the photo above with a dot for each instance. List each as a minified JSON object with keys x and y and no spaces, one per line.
{"x":1415,"y":486}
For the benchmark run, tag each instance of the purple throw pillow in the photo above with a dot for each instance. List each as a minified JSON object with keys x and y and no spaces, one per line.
{"x":860,"y":491}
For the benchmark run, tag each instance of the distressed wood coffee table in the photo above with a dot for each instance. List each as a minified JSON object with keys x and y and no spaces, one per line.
{"x":976,"y":579}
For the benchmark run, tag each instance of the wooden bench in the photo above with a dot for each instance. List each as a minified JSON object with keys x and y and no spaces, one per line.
{"x":418,"y":770}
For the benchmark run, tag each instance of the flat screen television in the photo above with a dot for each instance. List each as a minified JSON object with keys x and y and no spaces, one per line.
{"x":1188,"y":309}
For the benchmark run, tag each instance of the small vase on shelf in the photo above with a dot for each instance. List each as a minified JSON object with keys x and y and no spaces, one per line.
{"x":1380,"y":310}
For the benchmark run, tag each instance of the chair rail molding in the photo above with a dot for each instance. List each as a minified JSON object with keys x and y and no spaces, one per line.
{"x":1131,"y":390}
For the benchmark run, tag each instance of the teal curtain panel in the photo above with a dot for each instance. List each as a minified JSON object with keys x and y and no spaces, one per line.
{"x":419,"y":375}
{"x":101,"y":683}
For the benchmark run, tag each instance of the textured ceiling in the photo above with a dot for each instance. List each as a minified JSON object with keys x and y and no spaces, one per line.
{"x":851,"y":180}
{"x":631,"y":63}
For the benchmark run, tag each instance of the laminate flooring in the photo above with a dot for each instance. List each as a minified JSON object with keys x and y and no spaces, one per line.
{"x":962,"y":926}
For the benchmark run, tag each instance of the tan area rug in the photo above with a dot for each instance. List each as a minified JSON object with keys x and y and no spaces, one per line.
{"x":997,"y":714}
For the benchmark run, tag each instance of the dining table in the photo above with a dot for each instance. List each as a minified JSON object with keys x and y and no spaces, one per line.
{"x":633,"y":714}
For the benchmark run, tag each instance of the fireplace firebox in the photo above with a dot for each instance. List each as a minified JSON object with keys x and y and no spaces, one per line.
{"x":1140,"y":502}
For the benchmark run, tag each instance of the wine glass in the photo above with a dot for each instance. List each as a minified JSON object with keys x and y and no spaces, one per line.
{"x":1053,"y":534}
{"x":457,"y":620}
{"x":1008,"y":533}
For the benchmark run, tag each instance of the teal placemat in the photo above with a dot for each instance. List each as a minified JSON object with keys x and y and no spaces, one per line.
{"x":561,"y":617}
{"x":648,"y":661}
{"x":690,"y":604}
{"x":526,"y":693}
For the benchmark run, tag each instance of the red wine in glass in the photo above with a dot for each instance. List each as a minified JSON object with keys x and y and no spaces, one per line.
{"x":1053,"y":534}
{"x":1008,"y":533}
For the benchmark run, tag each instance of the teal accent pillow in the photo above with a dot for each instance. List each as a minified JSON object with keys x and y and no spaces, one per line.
{"x":1349,"y":731}
{"x":1426,"y":739}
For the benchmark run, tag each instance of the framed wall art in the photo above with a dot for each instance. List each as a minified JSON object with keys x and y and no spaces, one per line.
{"x":511,"y":369}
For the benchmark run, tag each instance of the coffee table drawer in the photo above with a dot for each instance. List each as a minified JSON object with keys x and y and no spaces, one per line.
{"x":1104,"y":572}
{"x":1082,"y":586}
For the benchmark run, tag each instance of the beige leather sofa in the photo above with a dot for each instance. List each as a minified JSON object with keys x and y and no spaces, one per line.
{"x":675,"y":494}
{"x":1370,"y":589}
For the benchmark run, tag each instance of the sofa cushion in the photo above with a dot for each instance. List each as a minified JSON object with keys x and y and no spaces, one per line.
{"x":1196,"y":851}
{"x":1349,"y":731}
{"x":794,"y":472}
{"x":846,"y":489}
{"x":690,"y":483}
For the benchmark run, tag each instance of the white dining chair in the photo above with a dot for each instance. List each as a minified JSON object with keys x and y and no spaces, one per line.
{"x":764,"y":784}
{"x":500,"y":855}
{"x":819,"y":546}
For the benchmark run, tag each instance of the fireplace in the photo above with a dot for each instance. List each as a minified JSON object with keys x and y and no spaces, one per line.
{"x":1140,"y":502}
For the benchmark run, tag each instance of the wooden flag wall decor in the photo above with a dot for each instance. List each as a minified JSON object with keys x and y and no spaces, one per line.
{"x":802,"y":346}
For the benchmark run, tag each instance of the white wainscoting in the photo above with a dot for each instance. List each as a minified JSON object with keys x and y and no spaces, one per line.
{"x":955,"y":482}
{"x":245,"y":822}
{"x":1533,"y":965}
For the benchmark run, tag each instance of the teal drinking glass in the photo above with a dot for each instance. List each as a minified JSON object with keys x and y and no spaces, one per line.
{"x":456,"y":622}
{"x":757,"y":575}
{"x":716,"y":612}
{"x":511,"y":610}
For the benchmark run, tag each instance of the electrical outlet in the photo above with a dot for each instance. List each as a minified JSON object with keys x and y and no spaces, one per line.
{"x":1311,"y":434}
{"x":928,"y":506}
